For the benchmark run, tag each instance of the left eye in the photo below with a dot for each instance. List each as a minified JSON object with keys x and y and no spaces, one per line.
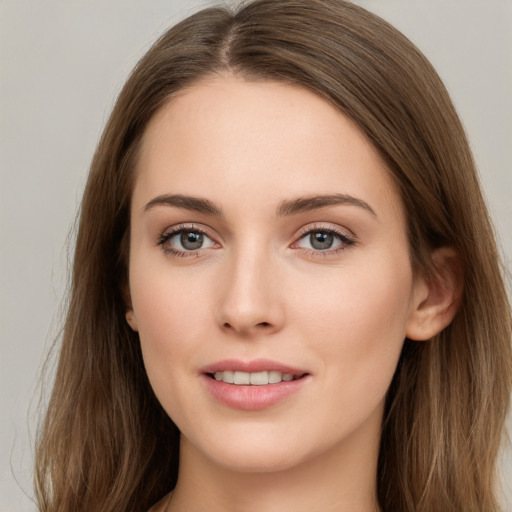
{"x":189,"y":240}
{"x":322,"y":240}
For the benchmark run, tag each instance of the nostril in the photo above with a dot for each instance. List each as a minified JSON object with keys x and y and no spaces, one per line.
{"x":246,"y":328}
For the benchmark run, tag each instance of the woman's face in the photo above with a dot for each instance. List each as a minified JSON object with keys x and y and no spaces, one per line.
{"x":268,"y":243}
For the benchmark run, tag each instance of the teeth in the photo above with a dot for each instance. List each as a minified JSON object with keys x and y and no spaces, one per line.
{"x":228,"y":377}
{"x":255,"y":379}
{"x":259,"y":379}
{"x":242,"y":378}
{"x":274,"y":377}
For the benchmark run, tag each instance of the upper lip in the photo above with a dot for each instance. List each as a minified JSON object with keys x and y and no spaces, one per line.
{"x":254,"y":366}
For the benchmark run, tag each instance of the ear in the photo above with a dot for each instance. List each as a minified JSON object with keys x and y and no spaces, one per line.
{"x":437,"y":297}
{"x":131,"y":320}
{"x":130,"y":315}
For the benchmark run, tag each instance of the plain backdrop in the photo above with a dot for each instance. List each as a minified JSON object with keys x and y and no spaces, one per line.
{"x":62,"y":64}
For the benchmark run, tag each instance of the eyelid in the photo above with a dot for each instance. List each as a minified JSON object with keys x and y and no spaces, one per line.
{"x":325,"y":226}
{"x":186,"y":226}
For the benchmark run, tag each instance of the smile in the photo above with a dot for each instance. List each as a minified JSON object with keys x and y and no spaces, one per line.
{"x":254,"y":379}
{"x":253,"y":385}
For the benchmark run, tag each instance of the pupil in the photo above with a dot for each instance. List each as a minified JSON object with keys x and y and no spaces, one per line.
{"x":191,"y":240}
{"x":321,"y":240}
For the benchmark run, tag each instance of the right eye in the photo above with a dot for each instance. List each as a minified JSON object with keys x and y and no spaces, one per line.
{"x":185,"y":241}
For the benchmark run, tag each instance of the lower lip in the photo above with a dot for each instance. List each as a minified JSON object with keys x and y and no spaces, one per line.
{"x":253,"y":398}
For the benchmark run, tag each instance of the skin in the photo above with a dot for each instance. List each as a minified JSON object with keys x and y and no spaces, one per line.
{"x":256,"y":289}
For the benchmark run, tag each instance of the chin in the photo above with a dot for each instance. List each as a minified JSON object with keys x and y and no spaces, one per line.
{"x":258,"y":461}
{"x":255,"y":455}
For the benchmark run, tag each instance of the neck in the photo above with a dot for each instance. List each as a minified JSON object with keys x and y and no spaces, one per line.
{"x":342,"y":479}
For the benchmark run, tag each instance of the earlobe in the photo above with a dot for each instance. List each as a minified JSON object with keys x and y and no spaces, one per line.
{"x":130,"y":316}
{"x":437,"y":296}
{"x":131,"y":320}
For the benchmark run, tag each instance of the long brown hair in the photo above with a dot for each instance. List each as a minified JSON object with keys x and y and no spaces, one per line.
{"x":106,"y":444}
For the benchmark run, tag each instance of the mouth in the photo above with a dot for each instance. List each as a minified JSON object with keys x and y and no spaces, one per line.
{"x":253,"y":385}
{"x":262,"y":378}
{"x":259,"y":372}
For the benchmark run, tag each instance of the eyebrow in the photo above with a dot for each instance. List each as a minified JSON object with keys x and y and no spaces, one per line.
{"x":195,"y":204}
{"x":307,"y":203}
{"x":285,"y":207}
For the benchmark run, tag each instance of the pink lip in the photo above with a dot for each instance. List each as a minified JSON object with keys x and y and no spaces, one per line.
{"x":252,"y":398}
{"x":257,"y":365}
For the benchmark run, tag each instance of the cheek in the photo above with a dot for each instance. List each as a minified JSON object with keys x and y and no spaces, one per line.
{"x":364,"y":299}
{"x":170,"y":315}
{"x":171,"y":318}
{"x":358,"y":324}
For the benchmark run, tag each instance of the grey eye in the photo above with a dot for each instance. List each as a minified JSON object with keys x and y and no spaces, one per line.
{"x":191,"y":240}
{"x":321,"y":240}
{"x":186,"y":240}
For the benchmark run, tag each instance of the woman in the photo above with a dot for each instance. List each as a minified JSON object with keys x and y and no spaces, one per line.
{"x":286,"y":291}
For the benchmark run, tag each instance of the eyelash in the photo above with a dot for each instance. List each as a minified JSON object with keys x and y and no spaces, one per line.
{"x":345,"y":240}
{"x":168,"y":235}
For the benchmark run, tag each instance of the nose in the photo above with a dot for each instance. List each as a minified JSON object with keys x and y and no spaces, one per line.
{"x":250,"y":296}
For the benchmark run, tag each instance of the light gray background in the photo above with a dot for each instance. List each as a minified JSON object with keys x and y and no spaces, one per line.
{"x":62,"y":64}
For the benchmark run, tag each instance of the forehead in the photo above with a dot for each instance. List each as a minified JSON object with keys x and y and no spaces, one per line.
{"x":226,"y":138}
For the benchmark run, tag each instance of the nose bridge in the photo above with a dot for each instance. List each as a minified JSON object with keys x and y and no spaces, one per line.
{"x":249,"y":299}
